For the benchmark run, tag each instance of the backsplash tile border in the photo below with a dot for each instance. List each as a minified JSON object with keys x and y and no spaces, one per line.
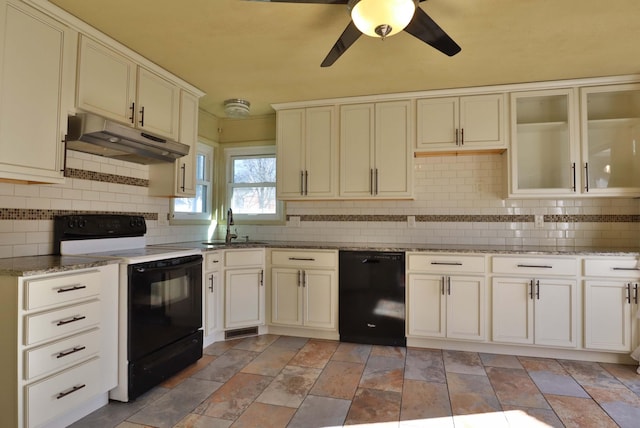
{"x":550,"y":218}
{"x":35,"y":214}
{"x":105,"y":177}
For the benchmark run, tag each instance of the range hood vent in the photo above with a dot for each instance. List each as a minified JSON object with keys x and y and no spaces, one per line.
{"x":93,"y":134}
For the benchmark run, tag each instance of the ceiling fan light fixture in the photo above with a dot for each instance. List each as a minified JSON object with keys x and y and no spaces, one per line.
{"x":236,"y":108}
{"x":382,"y":18}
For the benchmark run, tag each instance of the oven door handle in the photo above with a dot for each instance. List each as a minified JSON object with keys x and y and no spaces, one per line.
{"x":170,"y":267}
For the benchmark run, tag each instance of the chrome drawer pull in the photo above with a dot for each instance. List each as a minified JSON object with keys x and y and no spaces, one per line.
{"x":303,"y":259}
{"x":67,"y":321}
{"x":71,"y":288}
{"x":447,"y":263}
{"x":536,"y":266}
{"x":70,"y":391}
{"x":71,"y":351}
{"x":623,"y":268}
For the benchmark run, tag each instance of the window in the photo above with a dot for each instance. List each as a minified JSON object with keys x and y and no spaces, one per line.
{"x":251,"y":188}
{"x":198,"y":208}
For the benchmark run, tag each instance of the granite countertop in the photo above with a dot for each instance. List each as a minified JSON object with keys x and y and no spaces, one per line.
{"x":435,"y":248}
{"x":38,"y":265}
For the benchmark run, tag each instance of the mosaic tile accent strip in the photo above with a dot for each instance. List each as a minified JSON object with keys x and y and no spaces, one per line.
{"x":577,"y":218}
{"x":104,"y":177}
{"x":31,"y":214}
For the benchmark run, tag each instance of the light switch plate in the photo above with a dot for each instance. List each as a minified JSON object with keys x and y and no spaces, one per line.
{"x":411,"y":221}
{"x":294,"y":221}
{"x":539,"y":221}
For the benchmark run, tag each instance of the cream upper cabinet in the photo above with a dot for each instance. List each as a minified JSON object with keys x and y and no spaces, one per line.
{"x":111,"y":85}
{"x":458,"y":123}
{"x":179,"y":178}
{"x":544,"y":156}
{"x":307,"y":150}
{"x":37,"y":55}
{"x":376,"y":150}
{"x":611,"y":140}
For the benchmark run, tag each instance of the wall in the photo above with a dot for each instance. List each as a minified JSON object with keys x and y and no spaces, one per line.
{"x":458,"y":202}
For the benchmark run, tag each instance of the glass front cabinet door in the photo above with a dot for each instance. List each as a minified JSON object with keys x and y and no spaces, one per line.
{"x":544,"y":158}
{"x":611,"y":140}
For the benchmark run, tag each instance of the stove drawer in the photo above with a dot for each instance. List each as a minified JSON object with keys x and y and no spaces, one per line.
{"x":60,"y":393}
{"x":68,"y":320}
{"x":52,"y":357}
{"x":61,"y":289}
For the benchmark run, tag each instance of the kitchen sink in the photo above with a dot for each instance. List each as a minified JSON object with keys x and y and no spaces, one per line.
{"x":234,"y":243}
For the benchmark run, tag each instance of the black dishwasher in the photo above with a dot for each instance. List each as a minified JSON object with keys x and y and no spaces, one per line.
{"x":371,"y":298}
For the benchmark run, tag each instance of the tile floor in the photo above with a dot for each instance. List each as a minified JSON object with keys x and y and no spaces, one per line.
{"x":278,"y":381}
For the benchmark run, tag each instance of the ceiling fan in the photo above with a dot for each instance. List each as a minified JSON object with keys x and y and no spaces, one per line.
{"x":383,"y":18}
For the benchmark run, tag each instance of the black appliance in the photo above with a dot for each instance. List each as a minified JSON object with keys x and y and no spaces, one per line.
{"x":372,"y":297}
{"x":160,"y":297}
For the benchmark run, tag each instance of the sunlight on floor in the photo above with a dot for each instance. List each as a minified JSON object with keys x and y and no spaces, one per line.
{"x":511,"y":418}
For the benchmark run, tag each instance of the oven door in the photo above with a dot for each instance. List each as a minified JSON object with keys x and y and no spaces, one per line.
{"x":164,"y":303}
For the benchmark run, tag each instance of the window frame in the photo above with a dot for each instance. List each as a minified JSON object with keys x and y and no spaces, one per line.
{"x":248,"y":152}
{"x":206,"y":216}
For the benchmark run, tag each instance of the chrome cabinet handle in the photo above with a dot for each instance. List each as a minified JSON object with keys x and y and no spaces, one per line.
{"x":538,"y":290}
{"x":635,"y":293}
{"x":629,"y":292}
{"x":531,"y":289}
{"x":211,"y":283}
{"x":71,"y":288}
{"x":301,"y":183}
{"x":447,"y":263}
{"x":442,"y":287}
{"x":624,"y":268}
{"x":586,"y":176}
{"x":462,"y":136}
{"x":573,"y":169}
{"x":299,"y":277}
{"x":133,"y":109}
{"x":376,"y":181}
{"x":536,"y":266}
{"x":457,"y":144}
{"x":63,"y":354}
{"x":142,"y":116}
{"x":70,"y":391}
{"x":70,"y":320}
{"x":261,"y":277}
{"x":184,"y":176}
{"x":306,"y":182}
{"x":371,"y":181}
{"x":304,"y":259}
{"x":449,"y":286}
{"x":304,"y":279}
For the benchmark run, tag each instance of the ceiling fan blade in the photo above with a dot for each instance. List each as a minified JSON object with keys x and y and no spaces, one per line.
{"x":425,"y":29}
{"x":347,"y":38}
{"x":307,"y":1}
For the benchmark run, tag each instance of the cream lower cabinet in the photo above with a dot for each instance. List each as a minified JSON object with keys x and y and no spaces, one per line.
{"x":304,"y":288}
{"x":244,"y":293}
{"x":611,"y":292}
{"x":376,"y":150}
{"x":539,"y":307}
{"x":59,"y":342}
{"x":37,"y":76}
{"x":213,"y":288}
{"x":448,"y":304}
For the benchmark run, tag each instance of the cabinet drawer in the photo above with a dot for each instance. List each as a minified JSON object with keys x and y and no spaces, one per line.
{"x":49,"y":358}
{"x":301,"y":258}
{"x":535,"y":265}
{"x":446,"y":263}
{"x":60,"y":393}
{"x":212,"y":260}
{"x":613,"y":267}
{"x":239,"y":258}
{"x":61,"y":289}
{"x":51,"y":324}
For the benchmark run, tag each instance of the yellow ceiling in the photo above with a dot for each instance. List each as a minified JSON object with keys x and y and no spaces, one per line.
{"x":271,"y":52}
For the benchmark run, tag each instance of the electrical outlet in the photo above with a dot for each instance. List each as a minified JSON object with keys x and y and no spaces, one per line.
{"x":294,"y":221}
{"x":411,"y":221}
{"x":539,"y":221}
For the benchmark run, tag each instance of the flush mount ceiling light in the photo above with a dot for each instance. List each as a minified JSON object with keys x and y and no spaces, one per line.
{"x":236,"y":108}
{"x":382,"y":18}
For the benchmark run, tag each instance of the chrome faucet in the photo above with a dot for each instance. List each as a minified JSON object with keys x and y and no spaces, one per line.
{"x":229,"y":236}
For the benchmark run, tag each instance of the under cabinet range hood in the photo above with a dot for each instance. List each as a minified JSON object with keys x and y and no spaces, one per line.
{"x":93,"y":134}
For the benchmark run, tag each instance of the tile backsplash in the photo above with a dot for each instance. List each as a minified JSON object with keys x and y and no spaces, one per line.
{"x":458,"y":200}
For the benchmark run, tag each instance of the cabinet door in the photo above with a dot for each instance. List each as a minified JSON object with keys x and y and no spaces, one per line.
{"x":320,"y":298}
{"x":393,"y":155}
{"x":544,"y":159}
{"x":321,"y":155}
{"x":158,"y":105}
{"x":482,"y":121}
{"x":286,"y":296}
{"x":290,"y":152}
{"x":555,"y":320}
{"x":356,"y":150}
{"x":186,"y":166}
{"x":512,"y":310}
{"x":426,"y":313}
{"x":212,"y":291}
{"x":465,"y":308}
{"x":608,"y":315}
{"x":106,"y":82}
{"x":33,"y":82}
{"x":611,"y":140}
{"x":244,"y":298}
{"x":438,"y":123}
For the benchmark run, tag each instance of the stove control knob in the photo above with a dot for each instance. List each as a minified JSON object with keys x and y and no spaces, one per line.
{"x":82,"y":223}
{"x":71,"y":224}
